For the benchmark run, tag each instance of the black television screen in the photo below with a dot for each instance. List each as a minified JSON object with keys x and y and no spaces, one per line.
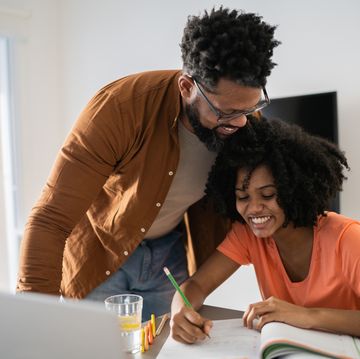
{"x":316,"y":113}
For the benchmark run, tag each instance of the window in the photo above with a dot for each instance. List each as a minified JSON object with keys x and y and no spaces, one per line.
{"x":9,"y":242}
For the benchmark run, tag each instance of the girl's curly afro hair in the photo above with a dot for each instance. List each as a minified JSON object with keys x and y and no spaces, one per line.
{"x":307,"y":170}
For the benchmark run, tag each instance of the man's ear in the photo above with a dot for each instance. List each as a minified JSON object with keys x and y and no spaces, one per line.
{"x":186,"y":87}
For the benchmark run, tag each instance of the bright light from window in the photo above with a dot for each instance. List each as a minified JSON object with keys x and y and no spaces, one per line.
{"x":6,"y":162}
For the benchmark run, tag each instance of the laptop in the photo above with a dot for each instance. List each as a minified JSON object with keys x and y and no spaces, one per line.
{"x":38,"y":326}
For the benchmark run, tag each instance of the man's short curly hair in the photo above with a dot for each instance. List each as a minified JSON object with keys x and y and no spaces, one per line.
{"x":228,"y":44}
{"x":307,"y":170}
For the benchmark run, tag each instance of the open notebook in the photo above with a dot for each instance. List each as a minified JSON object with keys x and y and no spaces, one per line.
{"x":35,"y":326}
{"x":229,"y":339}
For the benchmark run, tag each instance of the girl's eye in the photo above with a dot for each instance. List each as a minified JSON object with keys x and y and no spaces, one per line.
{"x":269,"y":196}
{"x":242,"y":198}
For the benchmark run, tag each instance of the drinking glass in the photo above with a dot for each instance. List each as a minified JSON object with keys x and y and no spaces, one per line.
{"x":128,"y":308}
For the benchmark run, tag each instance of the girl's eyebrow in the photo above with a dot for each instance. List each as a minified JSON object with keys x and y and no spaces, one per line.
{"x":239,"y":189}
{"x":267,"y":186}
{"x":262,"y":187}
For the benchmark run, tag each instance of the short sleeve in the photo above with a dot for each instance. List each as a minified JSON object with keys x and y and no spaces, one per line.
{"x":236,"y":244}
{"x":349,"y":250}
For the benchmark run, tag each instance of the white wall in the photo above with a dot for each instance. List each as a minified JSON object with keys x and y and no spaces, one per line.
{"x":76,"y":46}
{"x":318,"y":53}
{"x":32,"y":28}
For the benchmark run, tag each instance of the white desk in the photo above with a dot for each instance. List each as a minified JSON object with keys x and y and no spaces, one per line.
{"x":214,"y":313}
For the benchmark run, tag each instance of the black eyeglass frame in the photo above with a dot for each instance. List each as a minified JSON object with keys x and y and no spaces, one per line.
{"x":225,"y":117}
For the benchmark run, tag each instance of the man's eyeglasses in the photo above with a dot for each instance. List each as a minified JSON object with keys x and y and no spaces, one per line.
{"x":225,"y":117}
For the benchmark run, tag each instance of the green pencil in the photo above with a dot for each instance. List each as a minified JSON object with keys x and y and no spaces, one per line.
{"x":174,"y":283}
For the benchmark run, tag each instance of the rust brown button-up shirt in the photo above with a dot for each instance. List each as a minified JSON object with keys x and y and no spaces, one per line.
{"x":101,"y":197}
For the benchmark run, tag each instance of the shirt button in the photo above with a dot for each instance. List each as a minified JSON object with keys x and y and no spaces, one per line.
{"x":142,"y":230}
{"x":171,"y":173}
{"x":158,"y":204}
{"x":126,"y":253}
{"x":107,"y":272}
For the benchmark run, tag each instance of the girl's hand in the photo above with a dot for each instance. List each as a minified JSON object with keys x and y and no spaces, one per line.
{"x":188,"y":326}
{"x":276,"y":310}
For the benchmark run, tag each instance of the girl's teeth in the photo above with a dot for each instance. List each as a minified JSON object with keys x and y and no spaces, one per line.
{"x":260,"y":220}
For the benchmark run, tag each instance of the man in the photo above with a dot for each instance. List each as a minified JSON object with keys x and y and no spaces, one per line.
{"x":111,"y":215}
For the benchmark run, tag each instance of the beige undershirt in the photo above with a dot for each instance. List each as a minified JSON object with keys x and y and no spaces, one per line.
{"x":188,"y":184}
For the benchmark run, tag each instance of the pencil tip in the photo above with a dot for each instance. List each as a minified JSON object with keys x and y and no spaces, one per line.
{"x":167,"y":272}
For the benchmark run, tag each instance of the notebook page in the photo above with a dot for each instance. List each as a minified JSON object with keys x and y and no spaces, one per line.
{"x":229,"y":339}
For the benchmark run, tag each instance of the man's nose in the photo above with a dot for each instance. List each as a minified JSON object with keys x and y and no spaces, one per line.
{"x":238,"y":121}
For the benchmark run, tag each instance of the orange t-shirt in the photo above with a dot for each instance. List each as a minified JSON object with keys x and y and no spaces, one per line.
{"x":333,"y":280}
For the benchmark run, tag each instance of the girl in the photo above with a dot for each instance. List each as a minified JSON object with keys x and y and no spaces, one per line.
{"x":275,"y":182}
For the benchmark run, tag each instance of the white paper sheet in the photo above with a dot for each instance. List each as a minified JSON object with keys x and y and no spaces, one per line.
{"x":229,"y":340}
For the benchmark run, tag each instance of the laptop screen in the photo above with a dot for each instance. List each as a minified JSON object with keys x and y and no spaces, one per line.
{"x":37,"y":326}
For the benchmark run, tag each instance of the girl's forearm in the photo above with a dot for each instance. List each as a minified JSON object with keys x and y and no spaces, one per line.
{"x":336,"y":320}
{"x":192,"y":292}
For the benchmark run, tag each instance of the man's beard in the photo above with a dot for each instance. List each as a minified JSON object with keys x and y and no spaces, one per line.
{"x":208,"y":136}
